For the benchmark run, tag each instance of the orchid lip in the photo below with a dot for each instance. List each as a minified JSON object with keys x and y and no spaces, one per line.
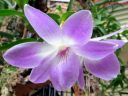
{"x":64,"y":51}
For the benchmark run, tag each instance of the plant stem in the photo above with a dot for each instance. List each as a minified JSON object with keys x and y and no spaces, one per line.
{"x":70,"y":5}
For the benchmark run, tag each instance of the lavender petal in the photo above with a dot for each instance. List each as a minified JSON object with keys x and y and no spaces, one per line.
{"x":79,"y":27}
{"x":106,"y":68}
{"x":45,"y":27}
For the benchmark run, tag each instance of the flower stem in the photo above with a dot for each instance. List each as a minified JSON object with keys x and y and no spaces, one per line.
{"x":70,"y":5}
{"x":112,"y":34}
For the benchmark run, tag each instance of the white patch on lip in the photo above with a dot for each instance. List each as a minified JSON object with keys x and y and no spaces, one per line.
{"x":63,"y":43}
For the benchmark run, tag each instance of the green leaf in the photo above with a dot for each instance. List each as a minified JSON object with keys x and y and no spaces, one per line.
{"x":7,"y":35}
{"x":3,"y":4}
{"x":25,"y":1}
{"x":54,"y":17}
{"x":9,"y":45}
{"x":21,"y":3}
{"x":5,"y":12}
{"x":59,"y":8}
{"x":66,"y":15}
{"x":10,"y":69}
{"x":98,"y":22}
{"x":70,"y":5}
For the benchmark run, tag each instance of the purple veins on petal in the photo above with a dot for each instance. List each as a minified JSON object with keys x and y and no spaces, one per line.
{"x":64,"y":52}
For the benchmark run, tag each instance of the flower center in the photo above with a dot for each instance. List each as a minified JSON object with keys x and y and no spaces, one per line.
{"x":63,"y":51}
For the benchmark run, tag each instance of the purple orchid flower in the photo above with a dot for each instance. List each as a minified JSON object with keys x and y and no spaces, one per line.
{"x":66,"y":49}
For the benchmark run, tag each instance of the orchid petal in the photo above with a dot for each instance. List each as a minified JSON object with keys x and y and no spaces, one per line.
{"x":79,"y":27}
{"x":40,"y":74}
{"x":27,"y":55}
{"x":120,"y":43}
{"x":81,"y":80}
{"x":96,"y":49}
{"x":65,"y":73}
{"x":42,"y":23}
{"x":106,"y":68}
